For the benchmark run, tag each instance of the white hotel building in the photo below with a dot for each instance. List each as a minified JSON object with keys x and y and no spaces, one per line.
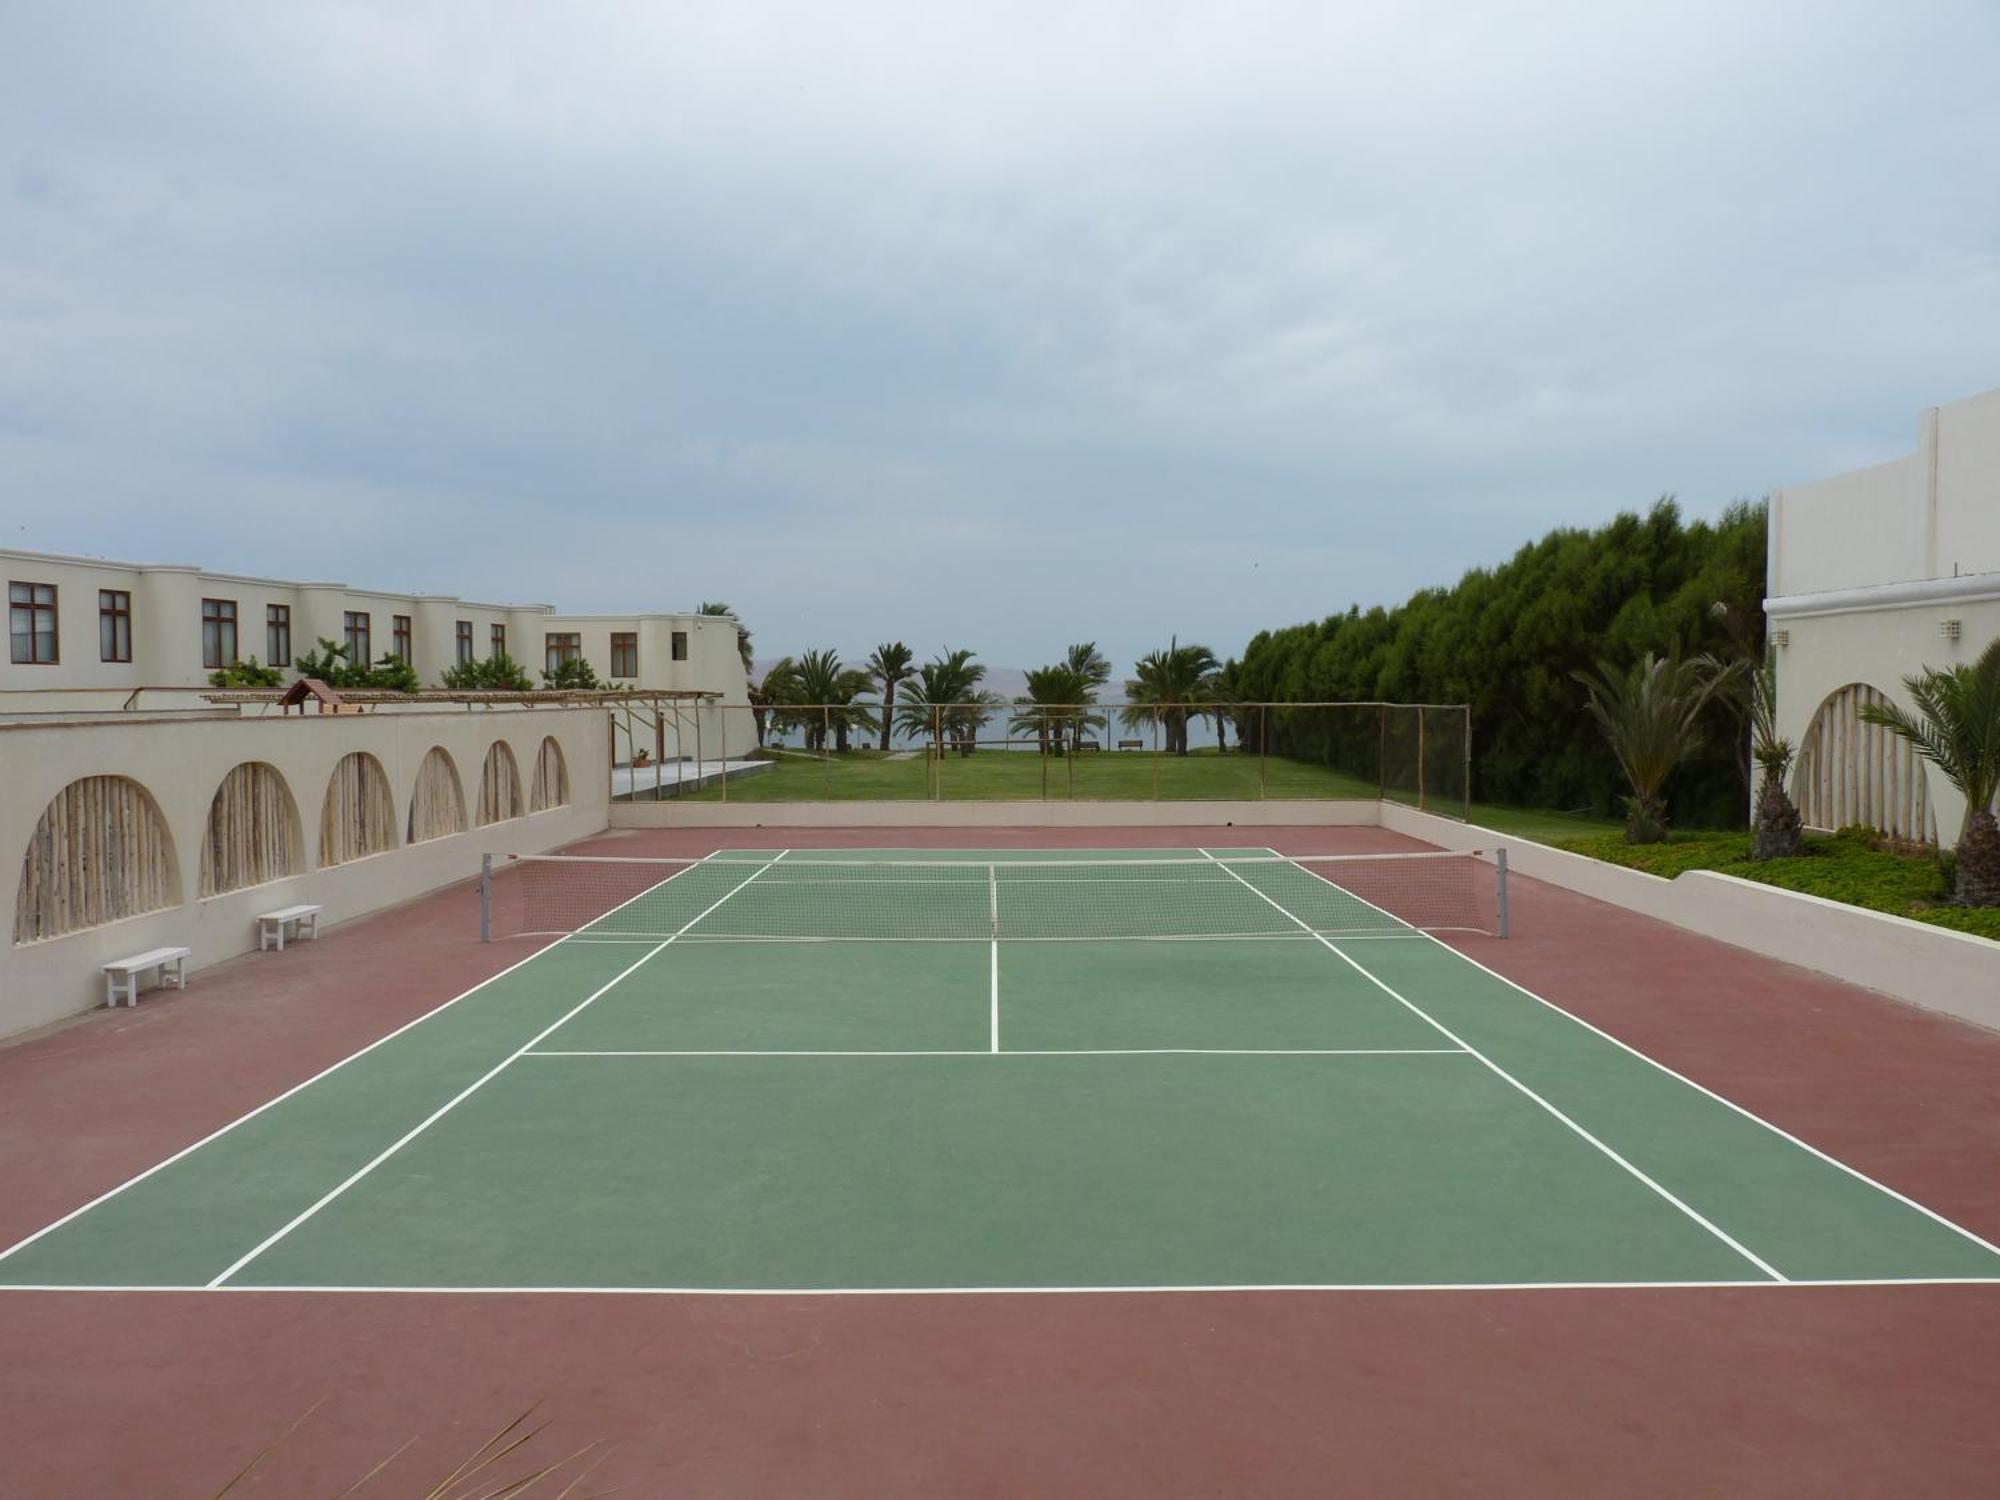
{"x":1873,"y":576}
{"x":80,"y":629}
{"x":136,"y":813}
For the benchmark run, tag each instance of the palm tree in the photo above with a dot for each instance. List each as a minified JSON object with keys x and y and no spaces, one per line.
{"x":1777,"y":832}
{"x":888,"y":666}
{"x":1056,"y":708}
{"x":1166,"y":689}
{"x":1651,"y":717}
{"x":1094,"y":667}
{"x":769,"y":697}
{"x":710,"y":607}
{"x":849,"y":715}
{"x":1957,"y":729}
{"x":944,"y":703}
{"x":828,"y":690}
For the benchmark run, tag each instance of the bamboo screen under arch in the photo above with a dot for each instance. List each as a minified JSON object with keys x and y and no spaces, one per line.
{"x":359,"y":815}
{"x":499,"y":785}
{"x":437,"y":806}
{"x":1850,"y":771}
{"x":253,"y":833}
{"x":551,"y":787}
{"x":100,"y":852}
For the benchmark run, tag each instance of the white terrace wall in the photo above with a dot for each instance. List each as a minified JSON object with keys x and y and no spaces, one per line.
{"x":1933,"y":967}
{"x":915,"y":813}
{"x":181,"y":762}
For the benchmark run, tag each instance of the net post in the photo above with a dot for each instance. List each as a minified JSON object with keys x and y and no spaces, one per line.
{"x":485,"y":898}
{"x":1500,"y":864}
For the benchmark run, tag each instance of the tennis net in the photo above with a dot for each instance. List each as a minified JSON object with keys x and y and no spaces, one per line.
{"x":822,"y":898}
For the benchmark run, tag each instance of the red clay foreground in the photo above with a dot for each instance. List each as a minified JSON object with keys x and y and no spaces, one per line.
{"x":1756,"y":1392}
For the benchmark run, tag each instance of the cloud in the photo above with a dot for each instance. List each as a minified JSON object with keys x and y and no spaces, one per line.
{"x":1001,"y":326}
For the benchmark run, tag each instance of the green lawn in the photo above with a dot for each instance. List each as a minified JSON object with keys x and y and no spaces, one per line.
{"x":1543,"y":825}
{"x":1843,"y":867}
{"x":1005,"y":775}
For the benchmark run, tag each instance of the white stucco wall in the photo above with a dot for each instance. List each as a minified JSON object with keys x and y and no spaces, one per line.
{"x":181,"y":762}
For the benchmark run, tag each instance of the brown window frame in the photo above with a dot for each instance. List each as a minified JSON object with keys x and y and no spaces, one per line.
{"x":680,"y":645}
{"x":219,"y":641}
{"x":278,"y":635}
{"x":400,"y":638}
{"x":114,"y":625}
{"x":464,"y":642}
{"x":559,"y":646}
{"x":358,"y":630}
{"x":34,"y":607}
{"x":496,"y":642}
{"x":624,"y":653}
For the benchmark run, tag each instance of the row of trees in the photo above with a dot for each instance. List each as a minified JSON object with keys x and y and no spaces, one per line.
{"x":1511,"y":640}
{"x":945,"y":703}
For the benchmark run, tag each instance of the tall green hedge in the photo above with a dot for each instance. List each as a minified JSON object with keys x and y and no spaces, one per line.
{"x":1506,"y":640}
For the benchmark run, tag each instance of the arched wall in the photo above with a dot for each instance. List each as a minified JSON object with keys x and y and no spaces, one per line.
{"x":183,"y":760}
{"x":253,"y":835}
{"x":500,"y":785}
{"x":551,"y":787}
{"x":437,"y":803}
{"x":358,"y":816}
{"x":100,"y":852}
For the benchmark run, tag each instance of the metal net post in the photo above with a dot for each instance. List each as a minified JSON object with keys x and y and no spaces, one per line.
{"x":1500,"y":864}
{"x":485,"y":898}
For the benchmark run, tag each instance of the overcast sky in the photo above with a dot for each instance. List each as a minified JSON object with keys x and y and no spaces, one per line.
{"x":998,"y":326}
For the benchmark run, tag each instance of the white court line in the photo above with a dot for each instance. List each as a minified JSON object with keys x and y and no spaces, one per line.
{"x":1777,"y":1130}
{"x":326,"y":1072}
{"x":466,"y":1093}
{"x":1721,"y":1234}
{"x":1031,"y":1052}
{"x":1768,"y":1288}
{"x":993,"y":900}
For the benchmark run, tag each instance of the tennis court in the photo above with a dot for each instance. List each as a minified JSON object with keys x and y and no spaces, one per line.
{"x":959,"y":1070}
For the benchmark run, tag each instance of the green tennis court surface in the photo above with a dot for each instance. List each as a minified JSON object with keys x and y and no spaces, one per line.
{"x":733,"y":1079}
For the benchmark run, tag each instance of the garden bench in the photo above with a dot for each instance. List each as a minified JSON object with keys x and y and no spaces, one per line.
{"x":272,"y":924}
{"x":122,"y":975}
{"x":1131,"y":744}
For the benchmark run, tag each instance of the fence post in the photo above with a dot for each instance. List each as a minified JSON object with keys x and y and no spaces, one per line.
{"x":485,"y":898}
{"x":1500,"y":863}
{"x":1263,"y":751}
{"x":1465,"y":716}
{"x":1420,"y":758}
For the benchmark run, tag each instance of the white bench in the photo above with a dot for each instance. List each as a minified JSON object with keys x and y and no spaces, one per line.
{"x":272,"y":924}
{"x":129,"y":970}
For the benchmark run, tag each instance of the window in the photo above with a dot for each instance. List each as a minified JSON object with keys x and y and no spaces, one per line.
{"x":680,"y":645}
{"x":114,"y":625}
{"x":563,"y":646}
{"x":31,"y":623}
{"x":624,"y":653}
{"x":359,"y":650}
{"x":464,"y":642}
{"x":278,"y":634}
{"x":218,"y":632}
{"x":499,"y":641}
{"x":399,"y":636}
